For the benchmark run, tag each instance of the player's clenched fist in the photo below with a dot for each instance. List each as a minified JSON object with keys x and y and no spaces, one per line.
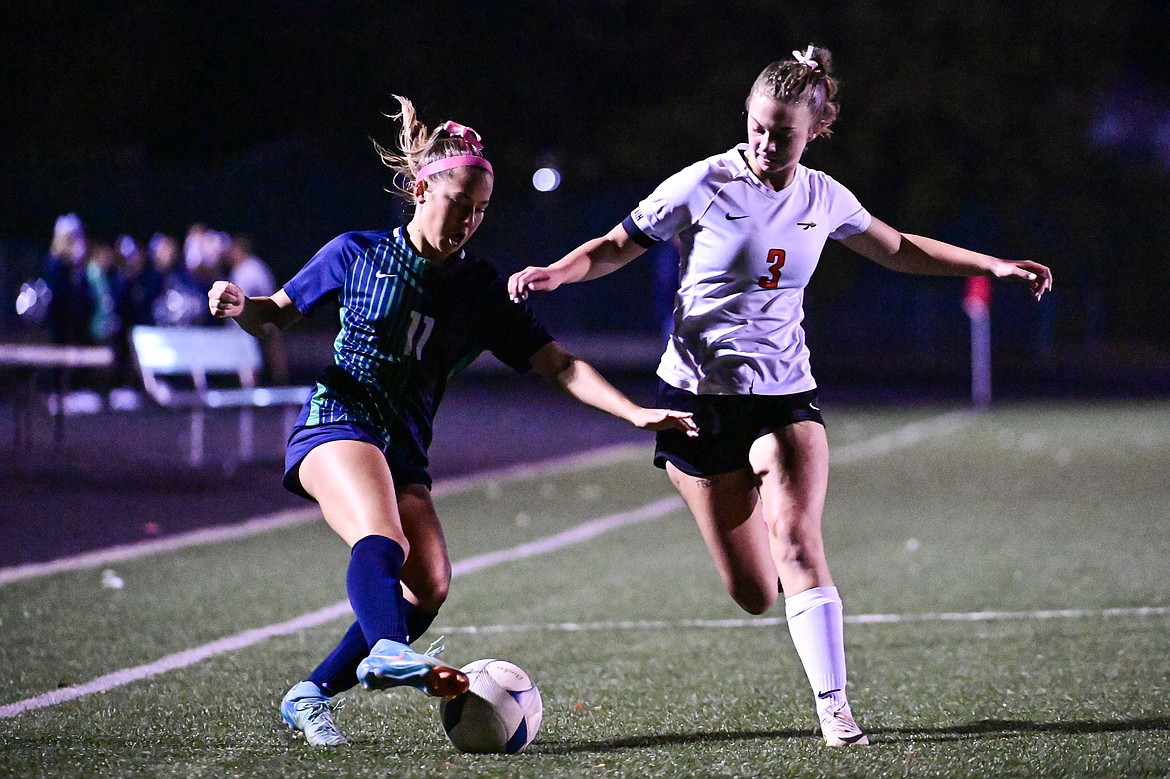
{"x":225,"y":300}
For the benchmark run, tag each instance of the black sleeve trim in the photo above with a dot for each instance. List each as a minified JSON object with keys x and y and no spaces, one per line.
{"x":636,"y":234}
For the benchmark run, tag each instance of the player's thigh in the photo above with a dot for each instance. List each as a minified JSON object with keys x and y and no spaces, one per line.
{"x":427,"y":571}
{"x":792,"y":468}
{"x":792,"y":465}
{"x":352,"y":483}
{"x":726,"y":509}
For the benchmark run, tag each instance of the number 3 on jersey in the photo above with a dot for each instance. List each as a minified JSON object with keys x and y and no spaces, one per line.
{"x":420,"y":330}
{"x":775,"y":263}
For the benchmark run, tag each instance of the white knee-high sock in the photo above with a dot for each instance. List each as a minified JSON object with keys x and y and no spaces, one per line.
{"x":817,"y":628}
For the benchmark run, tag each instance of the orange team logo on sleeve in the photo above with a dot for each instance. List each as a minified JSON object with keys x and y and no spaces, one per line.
{"x":775,"y":263}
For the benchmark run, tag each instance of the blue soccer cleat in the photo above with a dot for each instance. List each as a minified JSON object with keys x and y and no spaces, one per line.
{"x":308,"y":710}
{"x":394,"y":664}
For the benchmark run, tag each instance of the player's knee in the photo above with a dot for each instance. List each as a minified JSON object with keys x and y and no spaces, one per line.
{"x":793,"y":544}
{"x":753,"y":598}
{"x":432,"y":591}
{"x":438,"y":594}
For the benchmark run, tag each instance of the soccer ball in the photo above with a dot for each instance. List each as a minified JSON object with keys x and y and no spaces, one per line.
{"x":500,"y":713}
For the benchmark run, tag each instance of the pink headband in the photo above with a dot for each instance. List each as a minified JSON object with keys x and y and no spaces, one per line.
{"x":446,"y":163}
{"x":471,"y":138}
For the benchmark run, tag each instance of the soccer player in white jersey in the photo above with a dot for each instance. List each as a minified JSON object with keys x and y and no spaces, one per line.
{"x":750,"y":225}
{"x":415,"y":309}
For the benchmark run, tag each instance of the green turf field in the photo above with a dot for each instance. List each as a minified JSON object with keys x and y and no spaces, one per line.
{"x":993,"y":567}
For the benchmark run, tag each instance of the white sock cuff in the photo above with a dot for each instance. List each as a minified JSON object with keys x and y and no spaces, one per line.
{"x":815,"y":624}
{"x":803,"y":601}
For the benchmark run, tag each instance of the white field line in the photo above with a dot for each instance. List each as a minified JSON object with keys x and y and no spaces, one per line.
{"x":903,"y":437}
{"x":608,"y":455}
{"x":768,"y":622}
{"x":575,"y":535}
{"x":172,"y":662}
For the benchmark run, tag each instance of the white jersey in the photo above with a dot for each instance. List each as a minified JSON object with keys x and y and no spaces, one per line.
{"x":746,"y":253}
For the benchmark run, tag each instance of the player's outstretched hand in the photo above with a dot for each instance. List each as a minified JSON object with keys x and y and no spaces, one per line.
{"x":531,"y":279}
{"x":665,"y":419}
{"x":1039,"y":275}
{"x":225,"y":300}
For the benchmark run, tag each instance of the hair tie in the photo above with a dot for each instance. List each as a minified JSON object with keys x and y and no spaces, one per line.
{"x":806,"y":58}
{"x":470,"y":136}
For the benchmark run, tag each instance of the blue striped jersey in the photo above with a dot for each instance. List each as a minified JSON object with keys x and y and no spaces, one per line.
{"x":407,"y":326}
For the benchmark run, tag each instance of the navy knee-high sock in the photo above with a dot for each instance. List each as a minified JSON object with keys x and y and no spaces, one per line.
{"x":417,"y":620}
{"x":338,"y":672}
{"x":375,"y":592}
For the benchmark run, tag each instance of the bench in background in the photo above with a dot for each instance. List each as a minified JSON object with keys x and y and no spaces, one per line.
{"x":180,"y":364}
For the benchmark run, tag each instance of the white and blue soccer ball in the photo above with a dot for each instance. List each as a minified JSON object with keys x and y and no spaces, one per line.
{"x":501,"y":713}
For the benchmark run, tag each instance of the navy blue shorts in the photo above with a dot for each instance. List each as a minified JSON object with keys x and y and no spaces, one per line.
{"x":407,"y":467}
{"x":728,"y":425}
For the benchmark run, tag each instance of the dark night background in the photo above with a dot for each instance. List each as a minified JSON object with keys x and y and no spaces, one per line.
{"x":1038,"y":130}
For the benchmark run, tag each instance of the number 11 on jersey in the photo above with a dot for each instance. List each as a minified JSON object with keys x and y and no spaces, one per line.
{"x":775,"y":263}
{"x":420,"y":330}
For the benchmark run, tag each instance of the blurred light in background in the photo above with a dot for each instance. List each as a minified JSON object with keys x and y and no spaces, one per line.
{"x":546,"y":179}
{"x":1134,"y":119}
{"x":32,"y":303}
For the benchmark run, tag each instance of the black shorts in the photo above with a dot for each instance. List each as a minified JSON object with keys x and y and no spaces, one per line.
{"x":728,"y":425}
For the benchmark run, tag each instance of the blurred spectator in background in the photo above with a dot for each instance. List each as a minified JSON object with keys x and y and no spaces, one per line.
{"x":246,"y":270}
{"x":193,"y":247}
{"x":71,"y":306}
{"x":140,"y":286}
{"x":102,"y":275}
{"x":180,"y":301}
{"x":141,"y":283}
{"x":203,"y":254}
{"x":252,"y":275}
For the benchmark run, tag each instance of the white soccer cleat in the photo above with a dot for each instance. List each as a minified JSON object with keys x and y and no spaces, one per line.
{"x":838,"y":727}
{"x":306,"y":709}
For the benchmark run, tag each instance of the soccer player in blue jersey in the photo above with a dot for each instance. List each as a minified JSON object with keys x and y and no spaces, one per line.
{"x":750,"y":224}
{"x":415,"y":309}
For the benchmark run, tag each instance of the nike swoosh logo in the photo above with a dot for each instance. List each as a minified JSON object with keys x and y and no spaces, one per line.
{"x":731,"y":218}
{"x":806,"y":225}
{"x":813,"y":406}
{"x":827,"y":693}
{"x":381,"y":275}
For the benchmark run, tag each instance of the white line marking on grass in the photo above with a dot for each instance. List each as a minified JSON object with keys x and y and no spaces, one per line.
{"x":906,"y":436}
{"x":901,"y":438}
{"x":132,"y":551}
{"x":607,"y":455}
{"x":574,"y":535}
{"x":175,"y":661}
{"x":765,"y":622}
{"x":993,"y":616}
{"x":591,"y":458}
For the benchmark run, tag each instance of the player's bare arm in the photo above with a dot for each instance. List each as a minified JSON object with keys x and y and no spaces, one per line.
{"x":581,"y":381}
{"x":588,"y":261}
{"x":919,"y":254}
{"x":261,"y":316}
